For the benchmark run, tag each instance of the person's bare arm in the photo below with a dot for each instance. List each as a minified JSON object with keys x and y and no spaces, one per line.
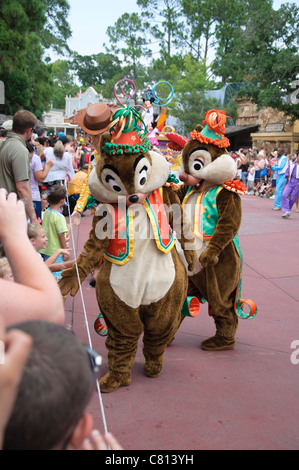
{"x":24,"y":193}
{"x":41,"y":175}
{"x":51,"y":260}
{"x":55,"y":268}
{"x":34,"y":294}
{"x":62,"y":240}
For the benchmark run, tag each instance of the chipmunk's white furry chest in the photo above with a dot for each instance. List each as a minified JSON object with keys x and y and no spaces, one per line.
{"x":191,"y":210}
{"x":149,"y":275}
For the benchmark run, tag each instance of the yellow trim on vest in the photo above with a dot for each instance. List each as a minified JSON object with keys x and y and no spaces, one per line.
{"x":199,"y":211}
{"x":164,"y":249}
{"x":131,"y":243}
{"x":125,"y":257}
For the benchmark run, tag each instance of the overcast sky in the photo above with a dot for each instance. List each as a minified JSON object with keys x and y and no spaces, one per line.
{"x":89,"y":20}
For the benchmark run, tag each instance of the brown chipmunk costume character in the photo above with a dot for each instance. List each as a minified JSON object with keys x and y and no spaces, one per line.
{"x":212,"y":202}
{"x":142,"y":284}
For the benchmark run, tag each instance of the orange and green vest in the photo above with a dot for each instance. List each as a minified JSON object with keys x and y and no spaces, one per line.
{"x":205,"y":221}
{"x":206,"y":213}
{"x":121,"y":248}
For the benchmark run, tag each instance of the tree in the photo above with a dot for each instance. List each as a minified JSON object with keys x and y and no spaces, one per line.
{"x":17,"y":90}
{"x":85,"y":68}
{"x":63,"y":83}
{"x":95,"y":69}
{"x":26,"y":30}
{"x":190,"y":84}
{"x":264,"y":54}
{"x":56,"y":30}
{"x":201,"y":21}
{"x":127,"y":39}
{"x":165,"y":23}
{"x":231,"y":16}
{"x":108,"y":65}
{"x":19,"y":25}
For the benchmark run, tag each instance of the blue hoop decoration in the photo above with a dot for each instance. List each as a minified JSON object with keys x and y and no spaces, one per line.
{"x":162,"y":101}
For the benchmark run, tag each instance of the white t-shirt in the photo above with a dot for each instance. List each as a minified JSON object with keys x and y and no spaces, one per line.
{"x":61,"y":168}
{"x":251,"y":174}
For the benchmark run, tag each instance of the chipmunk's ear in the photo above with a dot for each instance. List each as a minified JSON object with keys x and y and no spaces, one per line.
{"x":199,"y":128}
{"x":105,"y":138}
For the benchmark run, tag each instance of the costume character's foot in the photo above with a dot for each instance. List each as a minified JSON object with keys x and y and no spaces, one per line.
{"x":218,"y":343}
{"x":113,"y":380}
{"x":153,"y":366}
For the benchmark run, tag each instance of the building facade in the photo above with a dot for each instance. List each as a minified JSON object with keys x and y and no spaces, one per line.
{"x":62,"y":120}
{"x":54,"y":121}
{"x":275,"y":127}
{"x":81,"y":101}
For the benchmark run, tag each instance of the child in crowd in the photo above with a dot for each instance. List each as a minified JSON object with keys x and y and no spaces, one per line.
{"x":5,"y":270}
{"x":251,"y":177}
{"x":38,"y":174}
{"x":55,"y":226}
{"x":61,"y":376}
{"x":37,"y":237}
{"x":44,"y":202}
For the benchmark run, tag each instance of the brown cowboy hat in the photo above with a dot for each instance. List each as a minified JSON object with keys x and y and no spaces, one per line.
{"x":96,"y":118}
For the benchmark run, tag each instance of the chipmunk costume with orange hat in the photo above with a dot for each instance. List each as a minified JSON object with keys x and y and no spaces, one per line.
{"x":142,"y":284}
{"x":211,"y":199}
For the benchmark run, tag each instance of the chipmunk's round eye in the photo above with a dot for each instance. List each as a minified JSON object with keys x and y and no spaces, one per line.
{"x":142,"y":167}
{"x":198,"y":165}
{"x":199,"y":158}
{"x":143,"y":176}
{"x":110,"y":180}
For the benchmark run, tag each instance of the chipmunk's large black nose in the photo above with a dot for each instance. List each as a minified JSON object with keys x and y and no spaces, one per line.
{"x":133,"y":198}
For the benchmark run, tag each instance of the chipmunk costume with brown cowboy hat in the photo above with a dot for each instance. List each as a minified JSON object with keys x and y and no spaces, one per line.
{"x":142,"y":284}
{"x":211,"y":199}
{"x":94,"y":120}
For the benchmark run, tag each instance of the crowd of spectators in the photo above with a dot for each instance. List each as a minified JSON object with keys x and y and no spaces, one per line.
{"x":267,"y":175}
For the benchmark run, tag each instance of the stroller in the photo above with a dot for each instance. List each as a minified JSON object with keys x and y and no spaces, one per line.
{"x":262,"y":188}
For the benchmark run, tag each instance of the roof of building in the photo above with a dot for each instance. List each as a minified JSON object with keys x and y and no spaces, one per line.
{"x":233,"y":130}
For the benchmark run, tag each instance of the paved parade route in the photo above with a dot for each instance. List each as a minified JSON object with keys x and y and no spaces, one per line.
{"x":241,"y":399}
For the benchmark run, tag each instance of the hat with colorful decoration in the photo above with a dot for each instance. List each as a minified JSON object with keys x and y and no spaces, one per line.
{"x":213,"y":131}
{"x":128,"y":133}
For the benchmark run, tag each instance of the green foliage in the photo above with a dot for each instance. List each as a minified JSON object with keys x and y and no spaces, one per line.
{"x":127,"y":38}
{"x":63,"y":83}
{"x":56,"y":30}
{"x":164,"y":22}
{"x":264,"y":54}
{"x":95,"y":69}
{"x":17,"y":89}
{"x":190,"y":83}
{"x":27,"y":29}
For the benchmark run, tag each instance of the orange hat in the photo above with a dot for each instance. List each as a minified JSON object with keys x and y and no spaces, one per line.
{"x":213,"y":132}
